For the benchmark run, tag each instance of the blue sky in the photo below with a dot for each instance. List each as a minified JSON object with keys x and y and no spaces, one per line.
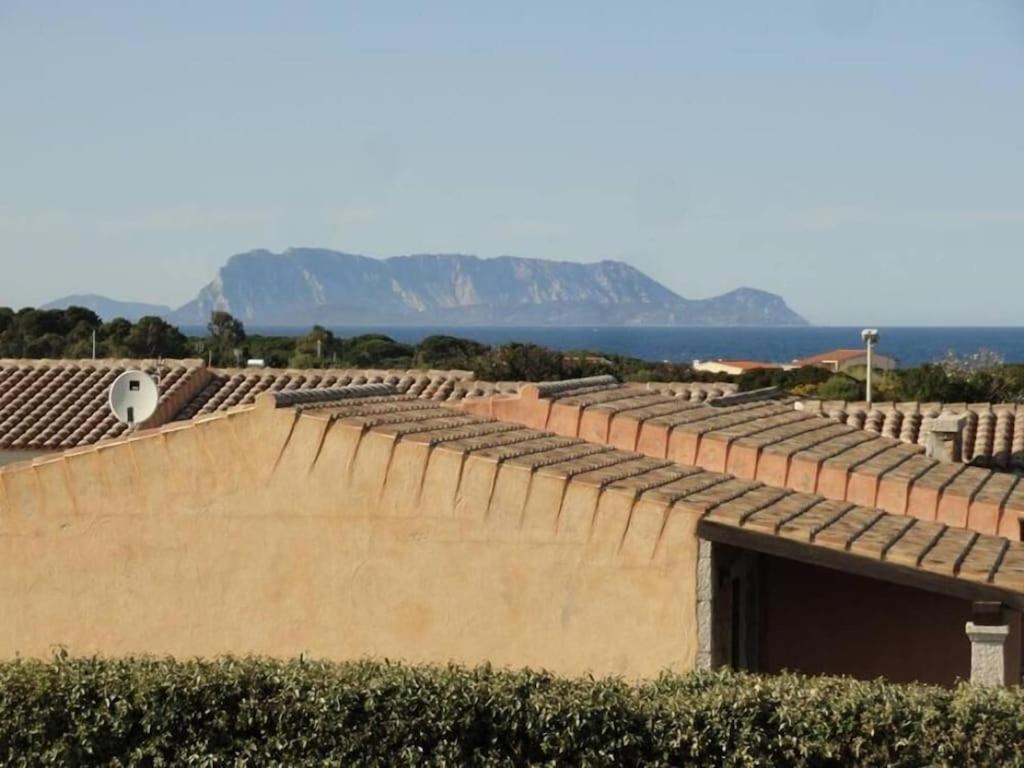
{"x":864,"y":159}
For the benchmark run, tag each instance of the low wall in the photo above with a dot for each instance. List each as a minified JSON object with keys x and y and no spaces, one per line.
{"x":273,"y":532}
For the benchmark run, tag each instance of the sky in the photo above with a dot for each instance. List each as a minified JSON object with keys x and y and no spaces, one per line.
{"x":863,"y":159}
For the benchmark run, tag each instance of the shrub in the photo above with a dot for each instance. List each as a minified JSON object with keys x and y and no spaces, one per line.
{"x":261,"y":712}
{"x":932,"y":383}
{"x":521,"y":362}
{"x":776,"y":377}
{"x":374,"y":350}
{"x":841,"y":387}
{"x":440,"y":351}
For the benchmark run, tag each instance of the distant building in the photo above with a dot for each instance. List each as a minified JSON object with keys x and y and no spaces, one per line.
{"x":849,"y":360}
{"x":732,"y":367}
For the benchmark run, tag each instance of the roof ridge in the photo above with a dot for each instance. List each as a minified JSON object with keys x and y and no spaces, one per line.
{"x":292,"y":397}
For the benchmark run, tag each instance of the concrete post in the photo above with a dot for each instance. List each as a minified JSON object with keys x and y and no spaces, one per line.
{"x":988,"y":654}
{"x":870,"y":373}
{"x":705,"y":604}
{"x":945,"y":440}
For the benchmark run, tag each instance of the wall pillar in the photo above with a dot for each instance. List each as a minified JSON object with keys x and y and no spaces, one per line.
{"x":988,"y":634}
{"x":705,"y":604}
{"x":988,"y":654}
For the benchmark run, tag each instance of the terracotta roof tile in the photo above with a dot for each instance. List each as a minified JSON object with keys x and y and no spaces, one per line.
{"x":835,"y":355}
{"x":59,"y":404}
{"x":868,"y":458}
{"x":993,"y":434}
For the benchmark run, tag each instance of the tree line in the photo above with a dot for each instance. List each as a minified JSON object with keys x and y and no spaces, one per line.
{"x":73,"y":332}
{"x":980,"y":377}
{"x":79,"y":333}
{"x":76,"y":332}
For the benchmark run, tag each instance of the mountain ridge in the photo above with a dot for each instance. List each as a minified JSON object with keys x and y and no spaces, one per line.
{"x":108,"y":308}
{"x":302,"y":286}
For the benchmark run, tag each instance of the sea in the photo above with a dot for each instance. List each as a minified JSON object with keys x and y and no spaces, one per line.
{"x":910,"y":346}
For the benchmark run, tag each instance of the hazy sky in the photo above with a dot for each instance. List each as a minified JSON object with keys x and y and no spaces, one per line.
{"x":864,"y":159}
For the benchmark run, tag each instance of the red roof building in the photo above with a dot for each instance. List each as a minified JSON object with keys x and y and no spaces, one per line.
{"x":845,"y":360}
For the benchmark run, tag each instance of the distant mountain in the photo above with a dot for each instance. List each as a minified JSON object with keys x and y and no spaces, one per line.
{"x":108,"y":309}
{"x":303,"y":286}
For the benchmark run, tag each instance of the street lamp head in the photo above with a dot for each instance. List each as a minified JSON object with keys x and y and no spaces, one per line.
{"x":869,"y":335}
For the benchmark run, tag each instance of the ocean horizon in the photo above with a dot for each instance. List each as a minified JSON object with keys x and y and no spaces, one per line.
{"x":910,"y":345}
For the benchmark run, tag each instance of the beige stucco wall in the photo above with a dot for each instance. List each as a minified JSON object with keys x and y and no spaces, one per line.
{"x":271,"y":533}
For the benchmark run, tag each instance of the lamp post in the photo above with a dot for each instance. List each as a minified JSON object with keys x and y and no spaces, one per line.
{"x":870,"y":337}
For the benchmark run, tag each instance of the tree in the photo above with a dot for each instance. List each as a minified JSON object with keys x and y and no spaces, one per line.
{"x":313,"y":349}
{"x":47,"y":345}
{"x":802,"y":377}
{"x":841,"y":387}
{"x":375,"y":350}
{"x":154,"y":337}
{"x":6,"y":319}
{"x":79,"y":321}
{"x":522,"y":362}
{"x":10,"y":339}
{"x":964,"y":366}
{"x":114,"y":338}
{"x":931,"y":382}
{"x":33,"y":323}
{"x":226,"y":334}
{"x":440,"y":351}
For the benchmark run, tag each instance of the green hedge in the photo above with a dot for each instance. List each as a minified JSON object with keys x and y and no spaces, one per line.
{"x":260,"y":712}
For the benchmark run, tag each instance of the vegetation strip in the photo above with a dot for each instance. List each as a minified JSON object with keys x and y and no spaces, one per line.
{"x":262,"y":712}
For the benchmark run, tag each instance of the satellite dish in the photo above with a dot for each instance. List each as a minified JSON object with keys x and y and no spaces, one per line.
{"x":133,"y":397}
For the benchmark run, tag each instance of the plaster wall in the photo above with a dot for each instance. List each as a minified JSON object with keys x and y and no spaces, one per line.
{"x":272,"y":532}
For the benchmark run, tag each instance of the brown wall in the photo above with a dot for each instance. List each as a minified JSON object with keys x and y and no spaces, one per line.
{"x":820,"y":621}
{"x":264,"y":532}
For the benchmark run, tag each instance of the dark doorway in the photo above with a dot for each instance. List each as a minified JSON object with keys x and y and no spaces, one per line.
{"x":737,"y":608}
{"x":773,"y":614}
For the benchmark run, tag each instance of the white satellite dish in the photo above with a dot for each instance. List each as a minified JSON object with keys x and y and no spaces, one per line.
{"x":133,"y":397}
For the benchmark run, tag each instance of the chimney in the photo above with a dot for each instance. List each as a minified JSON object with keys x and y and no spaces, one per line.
{"x":945,"y":440}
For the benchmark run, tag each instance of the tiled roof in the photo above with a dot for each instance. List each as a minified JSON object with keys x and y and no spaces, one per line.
{"x":56,"y":404}
{"x":228,"y":388}
{"x":836,"y":355}
{"x":695,"y":391}
{"x":772,"y":442}
{"x":49,"y":404}
{"x":867,"y":541}
{"x":993,"y":437}
{"x":746,"y":365}
{"x":59,"y":404}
